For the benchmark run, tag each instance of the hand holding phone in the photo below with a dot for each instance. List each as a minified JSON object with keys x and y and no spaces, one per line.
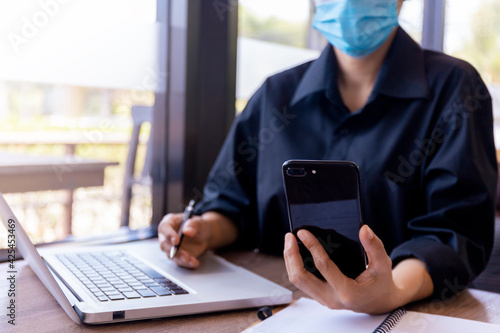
{"x":323,"y":197}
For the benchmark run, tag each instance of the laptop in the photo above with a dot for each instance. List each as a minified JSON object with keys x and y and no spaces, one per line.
{"x":135,"y":281}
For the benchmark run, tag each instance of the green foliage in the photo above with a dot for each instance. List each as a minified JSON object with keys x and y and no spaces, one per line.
{"x":272,"y":29}
{"x":483,"y":49}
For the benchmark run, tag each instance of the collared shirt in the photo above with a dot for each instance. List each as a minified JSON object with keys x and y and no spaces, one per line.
{"x":423,"y":143}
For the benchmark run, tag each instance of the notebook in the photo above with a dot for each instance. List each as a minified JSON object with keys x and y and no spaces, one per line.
{"x":135,"y":281}
{"x":307,"y":315}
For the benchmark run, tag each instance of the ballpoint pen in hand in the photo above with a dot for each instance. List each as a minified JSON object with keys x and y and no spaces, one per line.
{"x":188,"y":212}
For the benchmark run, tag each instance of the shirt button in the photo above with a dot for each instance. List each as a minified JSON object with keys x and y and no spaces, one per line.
{"x":344,"y":132}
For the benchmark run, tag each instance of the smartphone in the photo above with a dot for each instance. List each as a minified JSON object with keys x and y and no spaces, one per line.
{"x":324,"y":198}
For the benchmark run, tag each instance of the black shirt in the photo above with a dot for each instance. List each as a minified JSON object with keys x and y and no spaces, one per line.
{"x":423,"y":143}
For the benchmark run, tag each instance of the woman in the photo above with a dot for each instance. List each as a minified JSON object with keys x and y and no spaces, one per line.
{"x":418,"y":124}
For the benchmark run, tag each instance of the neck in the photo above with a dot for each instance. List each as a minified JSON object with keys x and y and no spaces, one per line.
{"x":362,"y":72}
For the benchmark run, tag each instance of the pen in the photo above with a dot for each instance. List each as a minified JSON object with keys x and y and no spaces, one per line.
{"x":188,"y":212}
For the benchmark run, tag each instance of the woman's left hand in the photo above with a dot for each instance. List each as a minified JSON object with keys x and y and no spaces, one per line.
{"x":379,"y":289}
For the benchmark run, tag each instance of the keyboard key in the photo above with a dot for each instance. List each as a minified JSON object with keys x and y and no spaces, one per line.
{"x":116,"y":297}
{"x":85,"y":269}
{"x":139,"y":275}
{"x":103,"y":285}
{"x":129,"y":280}
{"x":149,"y":271}
{"x":122,"y":275}
{"x":179,"y":291}
{"x":161,"y":291}
{"x":118,"y":276}
{"x":128,"y":269}
{"x":141,"y":287}
{"x":131,"y":294}
{"x":170,"y":285}
{"x":120,"y":285}
{"x":133,"y":271}
{"x":146,"y":293}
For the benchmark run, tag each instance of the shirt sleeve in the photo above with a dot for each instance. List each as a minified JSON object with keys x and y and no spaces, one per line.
{"x":230,"y":188}
{"x":459,"y":176}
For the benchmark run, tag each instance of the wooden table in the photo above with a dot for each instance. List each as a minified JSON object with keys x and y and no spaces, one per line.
{"x":38,"y":311}
{"x":26,"y":173}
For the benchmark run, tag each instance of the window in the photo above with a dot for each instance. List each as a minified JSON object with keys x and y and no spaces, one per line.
{"x":472,"y":33}
{"x":69,"y":75}
{"x":275,"y":35}
{"x":411,"y":18}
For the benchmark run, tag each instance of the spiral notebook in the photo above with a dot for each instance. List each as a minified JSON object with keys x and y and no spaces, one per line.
{"x":306,"y":315}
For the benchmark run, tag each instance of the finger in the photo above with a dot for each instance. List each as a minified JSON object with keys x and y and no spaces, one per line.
{"x":168,"y":236}
{"x":193,"y":226}
{"x":184,"y":259}
{"x":168,"y":227}
{"x":165,"y":247}
{"x":290,"y":255}
{"x":374,"y":248}
{"x":322,"y":261}
{"x":171,"y":219}
{"x":297,"y":274}
{"x":161,"y":237}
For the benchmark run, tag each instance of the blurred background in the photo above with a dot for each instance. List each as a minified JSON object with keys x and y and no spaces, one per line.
{"x":73,"y":70}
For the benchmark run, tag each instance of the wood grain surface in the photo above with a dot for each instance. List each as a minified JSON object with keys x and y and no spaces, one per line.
{"x":37,"y":311}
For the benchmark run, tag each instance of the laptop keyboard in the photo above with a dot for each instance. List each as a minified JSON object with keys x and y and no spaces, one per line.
{"x":113,"y":276}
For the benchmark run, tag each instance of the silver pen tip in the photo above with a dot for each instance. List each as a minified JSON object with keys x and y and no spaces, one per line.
{"x":173,"y":252}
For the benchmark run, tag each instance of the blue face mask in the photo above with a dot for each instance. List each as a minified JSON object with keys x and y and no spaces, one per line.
{"x":356,"y":27}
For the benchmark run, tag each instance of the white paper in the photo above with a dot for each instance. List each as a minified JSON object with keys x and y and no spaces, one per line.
{"x":307,"y":315}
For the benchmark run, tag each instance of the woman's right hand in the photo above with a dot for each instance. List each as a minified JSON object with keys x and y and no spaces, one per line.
{"x":197,"y":234}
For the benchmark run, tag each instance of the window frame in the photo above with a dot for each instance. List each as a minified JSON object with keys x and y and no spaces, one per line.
{"x":433,"y":25}
{"x":194,"y":106}
{"x":191,"y":119}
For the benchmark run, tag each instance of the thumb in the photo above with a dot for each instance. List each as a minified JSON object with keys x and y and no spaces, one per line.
{"x":374,"y":248}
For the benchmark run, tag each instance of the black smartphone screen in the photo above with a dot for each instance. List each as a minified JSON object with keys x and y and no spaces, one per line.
{"x":324,"y":198}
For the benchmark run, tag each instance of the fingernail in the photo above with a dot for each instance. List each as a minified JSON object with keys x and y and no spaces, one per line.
{"x":301,"y":233}
{"x":287,"y":240}
{"x":370,"y":233}
{"x":172,"y":240}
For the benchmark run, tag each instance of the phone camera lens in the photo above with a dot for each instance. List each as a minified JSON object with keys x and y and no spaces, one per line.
{"x":296,"y":172}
